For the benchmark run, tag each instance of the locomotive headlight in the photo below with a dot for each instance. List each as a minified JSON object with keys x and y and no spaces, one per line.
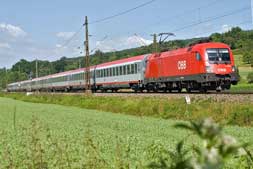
{"x":233,"y":69}
{"x":209,"y":69}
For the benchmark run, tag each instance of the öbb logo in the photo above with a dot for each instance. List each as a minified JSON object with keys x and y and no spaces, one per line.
{"x":181,"y":65}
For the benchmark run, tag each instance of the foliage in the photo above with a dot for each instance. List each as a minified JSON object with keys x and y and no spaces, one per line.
{"x":248,"y":57}
{"x":250,"y":77}
{"x":242,"y":87}
{"x":214,"y":152}
{"x":236,"y":113}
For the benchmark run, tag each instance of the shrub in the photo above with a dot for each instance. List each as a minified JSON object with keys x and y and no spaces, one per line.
{"x":214,"y":152}
{"x":250,"y":77}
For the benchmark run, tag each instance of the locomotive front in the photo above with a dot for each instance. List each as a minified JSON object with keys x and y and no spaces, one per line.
{"x":220,"y":70}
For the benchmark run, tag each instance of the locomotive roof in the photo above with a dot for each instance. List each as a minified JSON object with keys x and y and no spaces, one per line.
{"x":193,"y":48}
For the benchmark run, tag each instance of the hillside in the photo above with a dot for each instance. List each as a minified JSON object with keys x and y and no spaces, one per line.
{"x":241,"y":41}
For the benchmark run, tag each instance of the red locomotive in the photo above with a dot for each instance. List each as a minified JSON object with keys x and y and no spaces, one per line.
{"x":201,"y":66}
{"x":204,"y":66}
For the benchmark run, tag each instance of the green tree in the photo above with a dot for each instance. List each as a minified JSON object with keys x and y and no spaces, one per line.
{"x":250,"y":77}
{"x":248,"y":57}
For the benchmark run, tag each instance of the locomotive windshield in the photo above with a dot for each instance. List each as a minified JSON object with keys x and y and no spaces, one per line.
{"x":218,"y":56}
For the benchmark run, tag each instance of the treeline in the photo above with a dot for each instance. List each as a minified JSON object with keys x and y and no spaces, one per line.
{"x":241,"y":42}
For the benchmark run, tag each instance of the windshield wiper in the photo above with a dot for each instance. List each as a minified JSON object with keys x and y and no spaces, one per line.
{"x":215,"y":62}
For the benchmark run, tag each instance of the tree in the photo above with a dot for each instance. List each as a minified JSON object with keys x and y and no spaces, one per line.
{"x":247,"y":57}
{"x":60,"y":65}
{"x":250,"y":77}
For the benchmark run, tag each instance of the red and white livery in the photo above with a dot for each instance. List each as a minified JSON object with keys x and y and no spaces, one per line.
{"x":201,"y":66}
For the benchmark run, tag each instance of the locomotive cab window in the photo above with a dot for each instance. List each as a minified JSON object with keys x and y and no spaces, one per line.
{"x":198,"y":56}
{"x":218,"y":56}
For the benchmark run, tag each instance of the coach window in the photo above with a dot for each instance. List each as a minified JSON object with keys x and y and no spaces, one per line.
{"x":132,"y":68}
{"x":120,"y":70}
{"x":110,"y":72}
{"x":128,"y":69}
{"x":135,"y":68}
{"x":116,"y":71}
{"x":198,"y":57}
{"x":124,"y":70}
{"x":99,"y":73}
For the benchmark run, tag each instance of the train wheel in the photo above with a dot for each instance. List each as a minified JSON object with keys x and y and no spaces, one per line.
{"x":203,"y":90}
{"x":188,"y":90}
{"x":218,"y":89}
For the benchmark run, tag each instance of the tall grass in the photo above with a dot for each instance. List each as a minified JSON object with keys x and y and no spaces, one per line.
{"x":224,"y":112}
{"x":38,"y":147}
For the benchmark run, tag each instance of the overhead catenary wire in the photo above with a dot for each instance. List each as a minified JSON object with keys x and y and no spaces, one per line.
{"x":186,"y":12}
{"x":214,"y":30}
{"x":105,"y":19}
{"x":123,"y":12}
{"x":67,"y":42}
{"x":193,"y":10}
{"x":211,"y":19}
{"x":149,"y":2}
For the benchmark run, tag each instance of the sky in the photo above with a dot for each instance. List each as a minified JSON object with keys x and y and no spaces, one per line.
{"x":42,"y":30}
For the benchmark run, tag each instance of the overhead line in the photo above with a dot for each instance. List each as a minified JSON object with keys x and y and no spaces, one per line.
{"x":72,"y":37}
{"x":213,"y":31}
{"x":122,"y":13}
{"x":211,"y":19}
{"x":190,"y":11}
{"x":183,"y":13}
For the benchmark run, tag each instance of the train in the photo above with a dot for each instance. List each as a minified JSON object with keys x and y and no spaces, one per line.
{"x":202,"y":67}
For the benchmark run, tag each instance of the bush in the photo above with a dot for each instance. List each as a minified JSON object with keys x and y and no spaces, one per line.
{"x":215,"y":150}
{"x":250,"y":77}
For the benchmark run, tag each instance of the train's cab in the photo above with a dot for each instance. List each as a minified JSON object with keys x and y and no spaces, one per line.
{"x":219,"y":64}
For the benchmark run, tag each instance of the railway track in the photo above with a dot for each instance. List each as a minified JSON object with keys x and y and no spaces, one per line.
{"x":152,"y":93}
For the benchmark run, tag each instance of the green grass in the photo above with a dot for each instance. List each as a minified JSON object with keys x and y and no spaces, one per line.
{"x":53,"y":135}
{"x":242,"y":87}
{"x":244,"y":71}
{"x":222,"y":111}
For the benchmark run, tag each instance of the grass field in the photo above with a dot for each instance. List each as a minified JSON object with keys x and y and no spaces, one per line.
{"x":243,"y":85}
{"x":34,"y":135}
{"x":222,"y":110}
